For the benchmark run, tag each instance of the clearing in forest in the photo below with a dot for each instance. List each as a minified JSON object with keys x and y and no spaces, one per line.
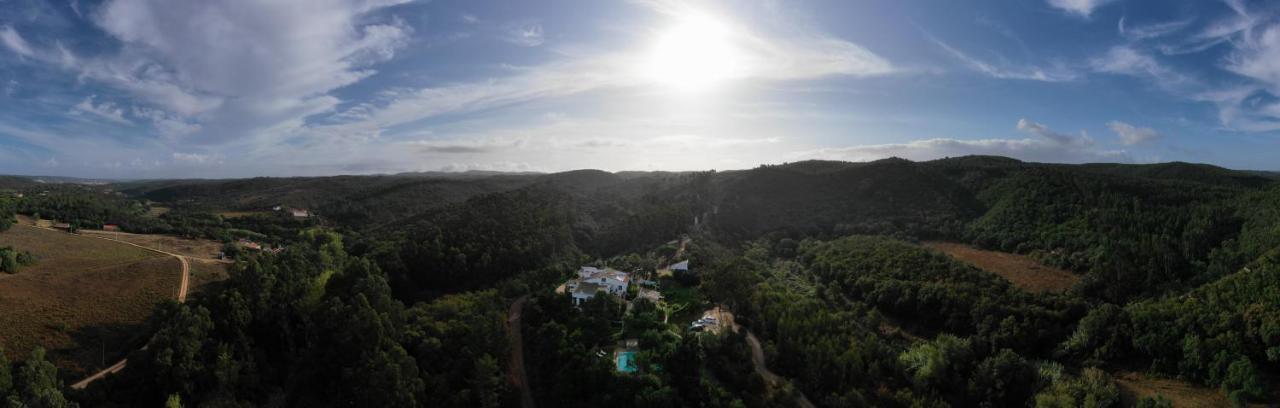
{"x":83,"y":300}
{"x":1134,"y":386}
{"x":1022,"y":271}
{"x":190,"y":248}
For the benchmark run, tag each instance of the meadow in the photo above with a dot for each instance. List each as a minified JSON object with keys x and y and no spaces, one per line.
{"x":83,"y":300}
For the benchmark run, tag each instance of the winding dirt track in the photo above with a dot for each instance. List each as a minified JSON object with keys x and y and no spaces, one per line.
{"x":515,"y":368}
{"x":182,"y":297}
{"x":757,"y":360}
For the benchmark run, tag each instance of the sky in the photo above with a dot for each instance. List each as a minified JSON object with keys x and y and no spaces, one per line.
{"x":243,"y":88}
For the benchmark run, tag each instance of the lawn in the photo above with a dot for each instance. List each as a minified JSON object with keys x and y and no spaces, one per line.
{"x":84,"y":299}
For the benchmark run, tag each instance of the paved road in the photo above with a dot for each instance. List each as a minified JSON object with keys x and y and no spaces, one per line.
{"x":515,"y":367}
{"x":182,"y":297}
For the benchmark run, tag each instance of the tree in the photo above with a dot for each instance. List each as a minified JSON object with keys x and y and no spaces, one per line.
{"x":6,"y":376}
{"x":38,"y":384}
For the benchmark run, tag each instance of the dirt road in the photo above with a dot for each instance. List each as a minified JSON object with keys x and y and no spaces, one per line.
{"x":515,"y":367}
{"x":757,"y":354}
{"x":182,"y":297}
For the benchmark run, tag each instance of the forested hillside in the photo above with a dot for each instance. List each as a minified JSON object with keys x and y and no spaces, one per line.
{"x":395,"y":292}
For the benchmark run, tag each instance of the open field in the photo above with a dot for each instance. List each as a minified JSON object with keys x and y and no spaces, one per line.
{"x":1020,"y":270}
{"x":1134,"y":386}
{"x":83,"y":300}
{"x":190,"y":248}
{"x":204,"y":272}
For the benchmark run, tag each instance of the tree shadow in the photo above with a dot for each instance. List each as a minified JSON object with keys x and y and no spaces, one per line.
{"x":97,"y":347}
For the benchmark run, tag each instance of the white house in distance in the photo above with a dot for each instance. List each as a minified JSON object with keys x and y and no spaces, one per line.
{"x":592,"y":280}
{"x":682,"y":266}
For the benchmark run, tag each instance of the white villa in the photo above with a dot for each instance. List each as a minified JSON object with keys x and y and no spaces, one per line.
{"x":592,"y":280}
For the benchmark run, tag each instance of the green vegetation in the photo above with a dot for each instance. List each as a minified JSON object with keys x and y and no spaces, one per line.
{"x":11,"y":260}
{"x":32,"y":383}
{"x":396,"y":294}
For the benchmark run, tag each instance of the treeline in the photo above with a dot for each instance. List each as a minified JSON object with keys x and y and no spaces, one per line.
{"x":938,"y":294}
{"x":833,"y":320}
{"x":1224,"y":334}
{"x":7,"y":212}
{"x":315,"y":326}
{"x":1131,"y":237}
{"x":478,"y":243}
{"x":33,"y":382}
{"x":84,"y":207}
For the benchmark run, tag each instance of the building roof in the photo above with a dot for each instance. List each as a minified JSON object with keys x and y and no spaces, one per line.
{"x":680,"y":266}
{"x":587,"y":288}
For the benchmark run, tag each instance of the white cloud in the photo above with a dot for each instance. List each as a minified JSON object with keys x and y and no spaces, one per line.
{"x":1127,"y":60}
{"x":1154,"y":30}
{"x":167,"y":125}
{"x":503,"y":166}
{"x":525,"y":35}
{"x":1057,"y":73}
{"x":1131,"y":135}
{"x":1083,"y":140}
{"x":465,"y":146}
{"x":1083,"y":8}
{"x":795,"y":55}
{"x":196,"y":159}
{"x":105,"y":110}
{"x":1259,"y":59}
{"x":242,"y":67}
{"x":14,"y":41}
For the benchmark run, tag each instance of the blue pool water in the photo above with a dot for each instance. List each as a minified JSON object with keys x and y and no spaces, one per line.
{"x":626,"y":362}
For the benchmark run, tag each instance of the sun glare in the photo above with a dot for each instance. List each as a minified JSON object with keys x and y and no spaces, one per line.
{"x":695,"y":54}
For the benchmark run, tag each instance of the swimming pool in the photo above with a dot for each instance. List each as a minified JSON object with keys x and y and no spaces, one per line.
{"x":626,"y":362}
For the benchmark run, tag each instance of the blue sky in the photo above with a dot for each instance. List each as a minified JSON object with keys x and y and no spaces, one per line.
{"x":236,"y":88}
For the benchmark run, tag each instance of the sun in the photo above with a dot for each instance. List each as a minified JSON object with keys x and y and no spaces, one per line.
{"x":695,"y":54}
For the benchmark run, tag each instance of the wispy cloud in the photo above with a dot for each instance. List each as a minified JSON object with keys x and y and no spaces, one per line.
{"x":1127,"y":60}
{"x":237,"y":70}
{"x":14,"y":41}
{"x":1038,"y":129}
{"x":1059,"y":73}
{"x":1153,"y":30}
{"x":1131,"y":135}
{"x":1082,"y":8}
{"x":104,"y":110}
{"x":525,"y":35}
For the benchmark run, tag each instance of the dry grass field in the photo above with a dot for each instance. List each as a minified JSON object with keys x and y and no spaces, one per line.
{"x":190,"y":248}
{"x":1134,"y":386}
{"x":204,"y":272}
{"x":83,"y":300}
{"x":1022,"y":271}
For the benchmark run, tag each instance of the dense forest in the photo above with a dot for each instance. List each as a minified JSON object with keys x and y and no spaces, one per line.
{"x":397,"y":292}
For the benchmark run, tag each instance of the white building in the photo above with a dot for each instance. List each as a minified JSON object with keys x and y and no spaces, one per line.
{"x":682,"y":266}
{"x":592,"y":280}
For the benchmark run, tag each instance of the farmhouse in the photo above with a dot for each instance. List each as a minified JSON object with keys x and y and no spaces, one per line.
{"x":592,"y":280}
